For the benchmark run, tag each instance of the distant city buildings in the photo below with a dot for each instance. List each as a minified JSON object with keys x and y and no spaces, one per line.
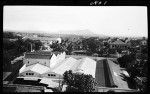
{"x":119,"y":44}
{"x":44,"y":40}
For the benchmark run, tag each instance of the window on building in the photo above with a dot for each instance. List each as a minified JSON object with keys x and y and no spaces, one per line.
{"x":29,"y":73}
{"x":28,"y":62}
{"x":26,"y":73}
{"x":53,"y":75}
{"x":32,"y":73}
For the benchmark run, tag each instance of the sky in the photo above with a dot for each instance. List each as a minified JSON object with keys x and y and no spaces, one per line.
{"x":128,"y":21}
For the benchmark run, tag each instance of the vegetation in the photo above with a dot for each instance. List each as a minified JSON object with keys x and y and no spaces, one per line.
{"x":12,"y":49}
{"x":79,"y":82}
{"x":91,"y":45}
{"x":137,"y":68}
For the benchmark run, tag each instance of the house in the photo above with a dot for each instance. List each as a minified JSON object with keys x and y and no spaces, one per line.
{"x":143,"y":42}
{"x":119,"y":44}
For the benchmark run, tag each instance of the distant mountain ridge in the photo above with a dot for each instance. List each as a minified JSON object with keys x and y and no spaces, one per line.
{"x":85,"y":32}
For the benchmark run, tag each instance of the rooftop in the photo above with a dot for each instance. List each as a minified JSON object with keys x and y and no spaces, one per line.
{"x":65,"y":65}
{"x":118,"y":42}
{"x":38,"y":68}
{"x":40,"y":54}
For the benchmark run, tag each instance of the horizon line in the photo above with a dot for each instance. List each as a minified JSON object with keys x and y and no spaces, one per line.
{"x":39,"y":31}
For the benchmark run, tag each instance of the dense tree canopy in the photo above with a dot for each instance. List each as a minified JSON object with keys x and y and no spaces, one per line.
{"x":79,"y":82}
{"x":135,"y":68}
{"x":12,"y":49}
{"x":10,"y":35}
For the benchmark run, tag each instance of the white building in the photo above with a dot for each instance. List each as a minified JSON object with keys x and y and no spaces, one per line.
{"x":39,"y":64}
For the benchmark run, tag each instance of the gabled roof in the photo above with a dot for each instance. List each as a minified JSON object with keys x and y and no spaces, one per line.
{"x":76,"y":66}
{"x":118,"y":42}
{"x":116,"y":73}
{"x":88,"y":66}
{"x":38,"y":68}
{"x":66,"y":65}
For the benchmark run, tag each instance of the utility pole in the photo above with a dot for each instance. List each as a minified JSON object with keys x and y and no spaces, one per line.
{"x":59,"y":82}
{"x":31,"y":47}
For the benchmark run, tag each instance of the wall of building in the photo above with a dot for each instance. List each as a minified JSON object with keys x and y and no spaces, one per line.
{"x":26,"y":74}
{"x":57,"y":59}
{"x":52,"y":75}
{"x":29,"y":62}
{"x":34,"y":74}
{"x":53,"y":61}
{"x":119,"y":46}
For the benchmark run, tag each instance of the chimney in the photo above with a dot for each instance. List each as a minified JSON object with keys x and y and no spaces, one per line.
{"x":31,"y":48}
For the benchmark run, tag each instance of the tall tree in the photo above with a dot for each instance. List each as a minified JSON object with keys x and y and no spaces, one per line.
{"x":79,"y":82}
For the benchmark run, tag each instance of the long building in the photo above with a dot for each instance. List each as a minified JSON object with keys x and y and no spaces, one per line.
{"x":50,"y":67}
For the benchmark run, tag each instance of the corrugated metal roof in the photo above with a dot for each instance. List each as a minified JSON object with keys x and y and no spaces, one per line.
{"x":100,"y":75}
{"x":115,"y":69}
{"x":38,"y":68}
{"x":75,"y":67}
{"x":88,"y":66}
{"x":66,"y":65}
{"x":104,"y":76}
{"x":39,"y":55}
